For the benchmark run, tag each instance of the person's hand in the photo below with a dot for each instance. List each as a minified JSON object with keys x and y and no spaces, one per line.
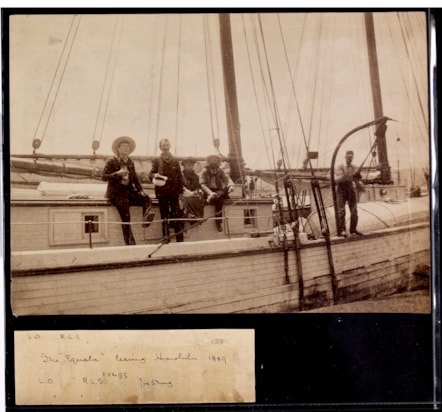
{"x":187,"y":192}
{"x":121,"y":172}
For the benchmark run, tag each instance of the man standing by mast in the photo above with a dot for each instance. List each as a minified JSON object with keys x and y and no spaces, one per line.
{"x":347,"y":177}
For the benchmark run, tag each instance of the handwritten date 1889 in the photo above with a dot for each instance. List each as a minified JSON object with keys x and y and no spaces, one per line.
{"x":215,"y":358}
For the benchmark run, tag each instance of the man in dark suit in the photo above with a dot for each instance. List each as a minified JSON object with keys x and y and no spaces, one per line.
{"x":124,"y":188}
{"x":168,"y":180}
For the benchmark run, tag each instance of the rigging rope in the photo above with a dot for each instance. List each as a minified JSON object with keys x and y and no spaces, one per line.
{"x":59,"y":71}
{"x":154,"y":58}
{"x":359,"y":35}
{"x":297,"y":105}
{"x":327,"y":102}
{"x":111,"y":61}
{"x":211,"y":89}
{"x":293,"y":76}
{"x":275,"y":111}
{"x":264,"y":87}
{"x":406,"y":42}
{"x":157,"y":124}
{"x":272,"y":158}
{"x":315,"y":81}
{"x":178,"y":81}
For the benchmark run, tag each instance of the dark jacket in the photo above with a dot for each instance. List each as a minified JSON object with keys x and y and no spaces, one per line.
{"x":213,"y":180}
{"x":172,"y":169}
{"x":191,"y":180}
{"x":114,"y":186}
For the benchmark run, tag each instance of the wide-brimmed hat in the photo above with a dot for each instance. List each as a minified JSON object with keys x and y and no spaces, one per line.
{"x":188,"y":160}
{"x":213,"y":159}
{"x":123,"y":139}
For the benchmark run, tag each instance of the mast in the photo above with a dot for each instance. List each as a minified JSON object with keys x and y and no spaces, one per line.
{"x":230,"y":96}
{"x":377,"y":99}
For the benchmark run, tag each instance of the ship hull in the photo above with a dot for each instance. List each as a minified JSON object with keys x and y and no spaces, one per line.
{"x":243,"y":275}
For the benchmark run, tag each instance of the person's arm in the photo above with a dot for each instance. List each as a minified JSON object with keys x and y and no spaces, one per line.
{"x":205,"y":188}
{"x":180,"y":178}
{"x":340,"y":176}
{"x":154,"y":169}
{"x":225,"y":179}
{"x":110,"y":171}
{"x":227,"y":183}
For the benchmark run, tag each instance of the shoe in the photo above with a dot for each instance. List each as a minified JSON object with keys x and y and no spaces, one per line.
{"x":219,"y":228}
{"x":148,"y":217}
{"x":343,"y":234}
{"x":356,"y":232}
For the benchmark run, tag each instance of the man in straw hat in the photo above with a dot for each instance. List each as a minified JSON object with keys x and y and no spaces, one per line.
{"x":168,"y":180}
{"x":216,"y":185}
{"x":124,"y":188}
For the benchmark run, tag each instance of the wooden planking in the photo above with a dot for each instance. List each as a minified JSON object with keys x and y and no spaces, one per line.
{"x":169,"y":287}
{"x":155,"y":286}
{"x":285,"y":297}
{"x":30,"y":234}
{"x":380,"y":279}
{"x":318,"y":292}
{"x":388,"y":245}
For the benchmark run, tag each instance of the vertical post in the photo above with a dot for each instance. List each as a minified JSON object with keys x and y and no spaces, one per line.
{"x":377,"y":99}
{"x":89,"y":230}
{"x":230,"y":96}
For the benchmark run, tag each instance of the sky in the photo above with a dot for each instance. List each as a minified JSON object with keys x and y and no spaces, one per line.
{"x":152,"y":76}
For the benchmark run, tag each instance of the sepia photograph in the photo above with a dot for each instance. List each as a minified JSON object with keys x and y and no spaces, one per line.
{"x":219,"y":163}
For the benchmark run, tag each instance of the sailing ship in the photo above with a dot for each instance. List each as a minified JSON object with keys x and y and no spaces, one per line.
{"x":276,"y":254}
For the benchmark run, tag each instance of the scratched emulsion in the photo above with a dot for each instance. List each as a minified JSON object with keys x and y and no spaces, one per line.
{"x":134,"y":367}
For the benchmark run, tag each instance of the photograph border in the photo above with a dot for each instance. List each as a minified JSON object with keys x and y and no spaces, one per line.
{"x":333,"y":361}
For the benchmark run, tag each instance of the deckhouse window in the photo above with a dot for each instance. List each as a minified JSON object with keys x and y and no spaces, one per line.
{"x":250,"y":218}
{"x":75,"y":225}
{"x":91,"y":224}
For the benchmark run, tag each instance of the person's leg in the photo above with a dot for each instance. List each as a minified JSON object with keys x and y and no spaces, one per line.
{"x":137,"y":199}
{"x":122,"y":205}
{"x":341,"y":199}
{"x":176,"y":214}
{"x":218,"y":203}
{"x":163,"y":204}
{"x":353,"y":205}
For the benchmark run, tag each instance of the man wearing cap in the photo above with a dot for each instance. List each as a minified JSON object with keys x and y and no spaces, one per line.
{"x":193,"y":195}
{"x":215,"y":184}
{"x":168,"y":180}
{"x":124,"y":188}
{"x":347,"y":177}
